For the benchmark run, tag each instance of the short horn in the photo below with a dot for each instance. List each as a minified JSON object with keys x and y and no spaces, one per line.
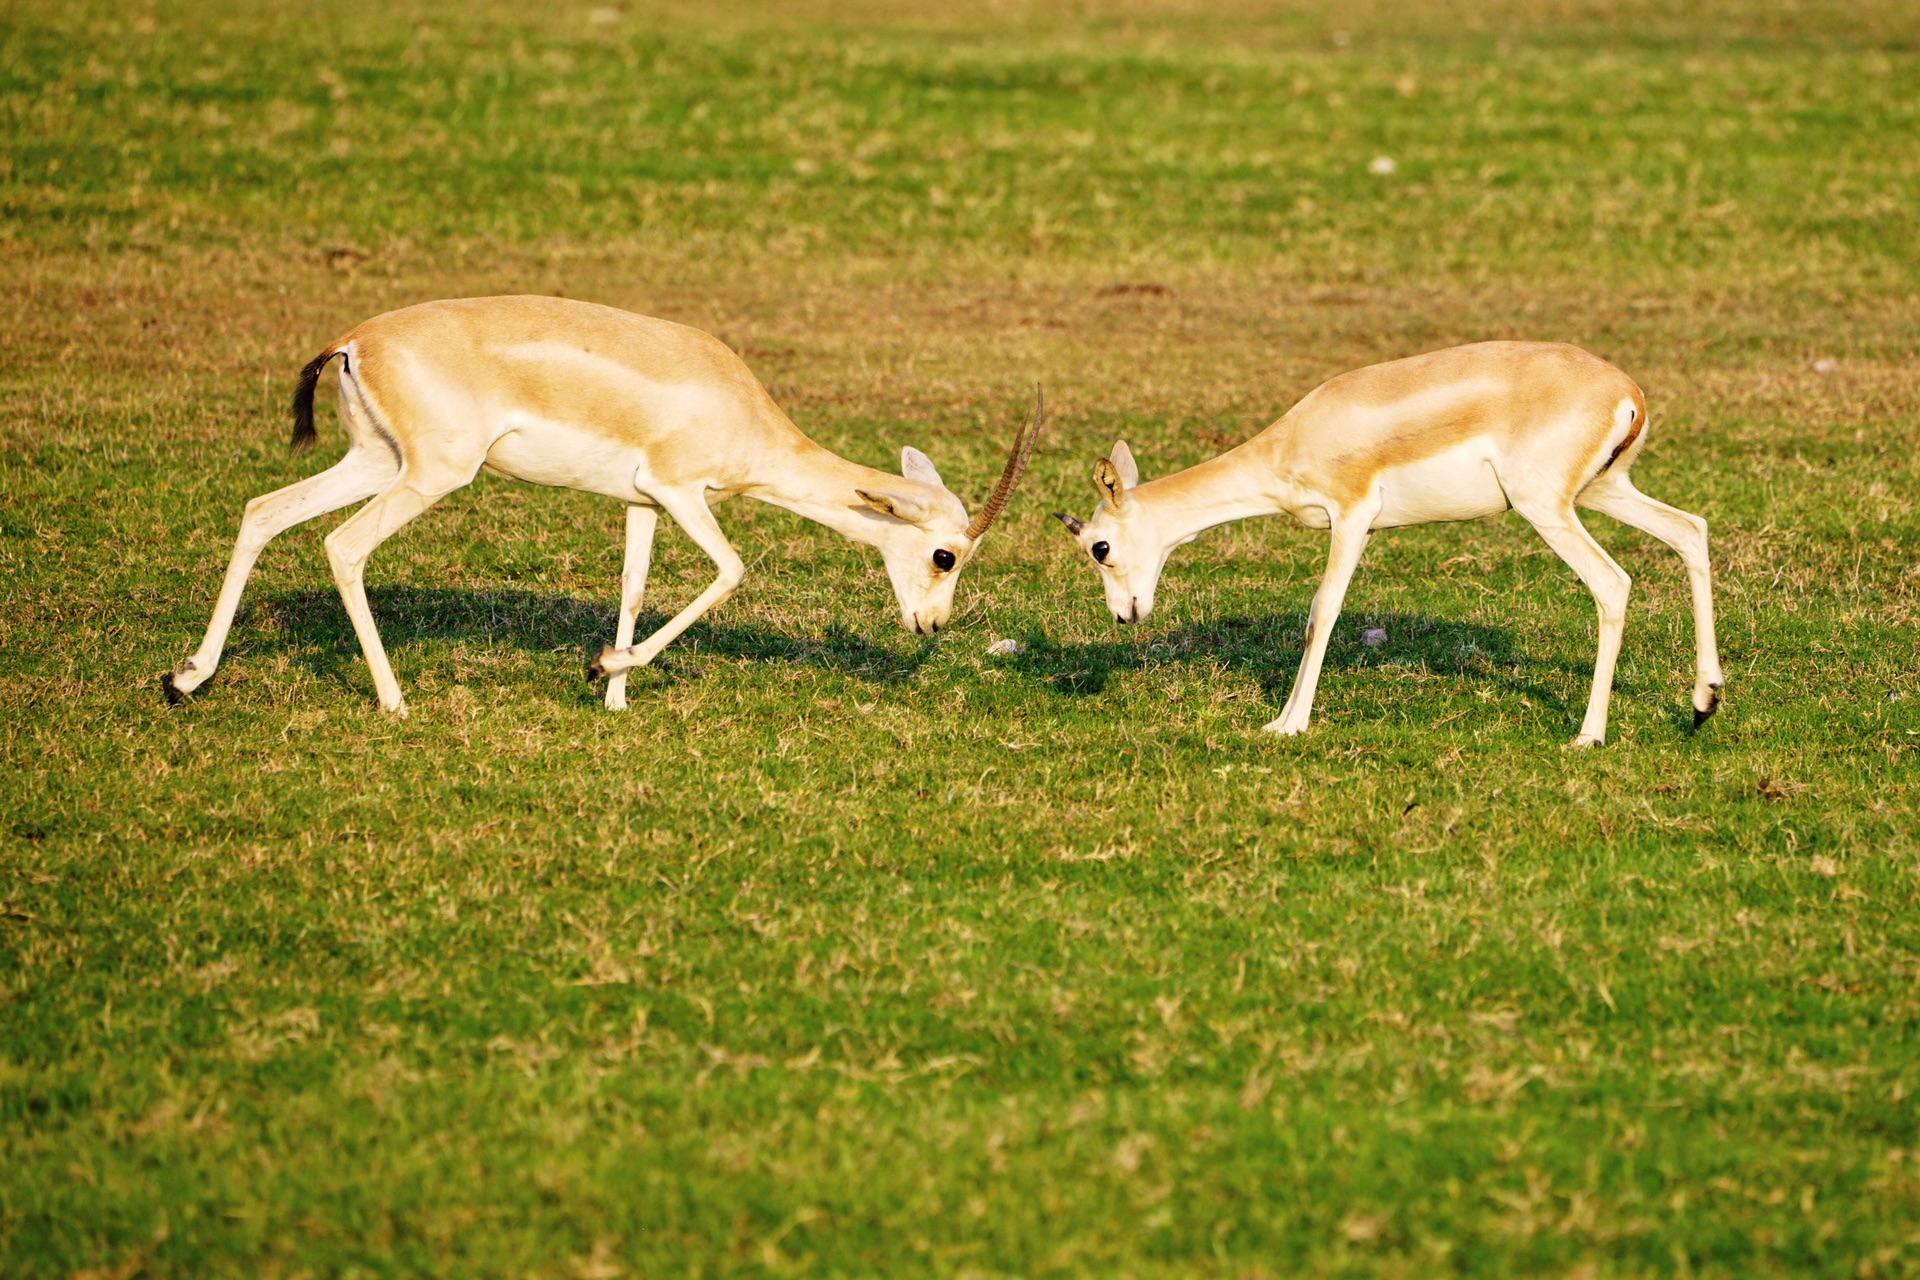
{"x":1017,"y":461}
{"x":1074,"y":523}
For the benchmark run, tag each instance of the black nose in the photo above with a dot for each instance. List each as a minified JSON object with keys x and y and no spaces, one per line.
{"x":933,"y":626}
{"x":1122,"y":621}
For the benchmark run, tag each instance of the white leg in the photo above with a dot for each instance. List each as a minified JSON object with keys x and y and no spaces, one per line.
{"x":360,"y":474}
{"x":347,"y":550}
{"x":1343,"y":557}
{"x":633,"y":589}
{"x":692,"y":513}
{"x":1686,"y":533}
{"x":1609,"y":584}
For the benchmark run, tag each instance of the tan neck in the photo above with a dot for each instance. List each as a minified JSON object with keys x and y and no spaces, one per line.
{"x":818,"y":484}
{"x":1215,"y":492}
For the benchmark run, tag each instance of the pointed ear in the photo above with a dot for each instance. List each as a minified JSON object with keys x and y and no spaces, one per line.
{"x":901,"y":506}
{"x":915,"y":465}
{"x":1123,"y":462}
{"x":1107,"y":481}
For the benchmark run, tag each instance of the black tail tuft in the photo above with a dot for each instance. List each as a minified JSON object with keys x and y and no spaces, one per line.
{"x":303,"y":433}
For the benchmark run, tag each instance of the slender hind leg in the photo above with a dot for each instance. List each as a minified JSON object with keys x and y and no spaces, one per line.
{"x":1614,"y":495}
{"x":1343,"y":557}
{"x":1609,"y":583}
{"x":360,"y":474}
{"x":347,"y":550}
{"x":633,"y":589}
{"x":692,"y":514}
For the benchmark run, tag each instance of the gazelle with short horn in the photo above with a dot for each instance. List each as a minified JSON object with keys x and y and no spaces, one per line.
{"x":1542,"y":428}
{"x":656,"y":415}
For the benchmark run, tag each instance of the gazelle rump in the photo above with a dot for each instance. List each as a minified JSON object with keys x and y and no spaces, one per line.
{"x":1458,"y":434}
{"x":654,"y":414}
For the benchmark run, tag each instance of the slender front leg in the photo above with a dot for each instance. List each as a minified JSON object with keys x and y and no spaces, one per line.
{"x":633,"y":589}
{"x":360,"y":474}
{"x":692,"y":513}
{"x":1349,"y":539}
{"x":1609,"y":584}
{"x":1686,"y":533}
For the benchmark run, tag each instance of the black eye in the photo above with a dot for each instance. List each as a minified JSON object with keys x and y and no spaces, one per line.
{"x":943,"y":559}
{"x":1100,"y":550}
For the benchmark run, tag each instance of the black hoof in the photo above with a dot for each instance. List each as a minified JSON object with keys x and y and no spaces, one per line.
{"x":175,"y":694}
{"x":595,"y":671}
{"x":1699,"y":716}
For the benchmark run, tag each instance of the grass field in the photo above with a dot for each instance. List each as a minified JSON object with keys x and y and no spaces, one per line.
{"x":846,"y":953}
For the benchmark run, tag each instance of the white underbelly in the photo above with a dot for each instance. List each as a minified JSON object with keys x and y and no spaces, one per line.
{"x":1457,"y":484}
{"x":568,"y":457}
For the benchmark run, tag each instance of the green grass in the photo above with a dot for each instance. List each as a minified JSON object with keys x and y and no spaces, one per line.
{"x":845,"y":953}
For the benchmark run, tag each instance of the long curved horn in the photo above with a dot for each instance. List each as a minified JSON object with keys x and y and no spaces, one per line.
{"x":1017,"y":461}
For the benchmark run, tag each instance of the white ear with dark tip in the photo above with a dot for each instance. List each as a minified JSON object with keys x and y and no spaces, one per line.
{"x":915,"y":465}
{"x":901,"y":506}
{"x":1107,"y":481}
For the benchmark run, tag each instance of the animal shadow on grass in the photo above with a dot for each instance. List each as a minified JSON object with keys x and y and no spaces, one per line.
{"x":315,"y":624}
{"x":1270,"y":649}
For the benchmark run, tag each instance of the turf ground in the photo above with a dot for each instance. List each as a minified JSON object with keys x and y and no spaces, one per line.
{"x":844,"y":953}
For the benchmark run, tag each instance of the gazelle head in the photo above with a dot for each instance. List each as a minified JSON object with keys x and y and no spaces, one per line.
{"x":1122,"y":537}
{"x":929,"y":539}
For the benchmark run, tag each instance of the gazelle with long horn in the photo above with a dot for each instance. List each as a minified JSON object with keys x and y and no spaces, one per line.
{"x":656,"y":415}
{"x":1542,"y":428}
